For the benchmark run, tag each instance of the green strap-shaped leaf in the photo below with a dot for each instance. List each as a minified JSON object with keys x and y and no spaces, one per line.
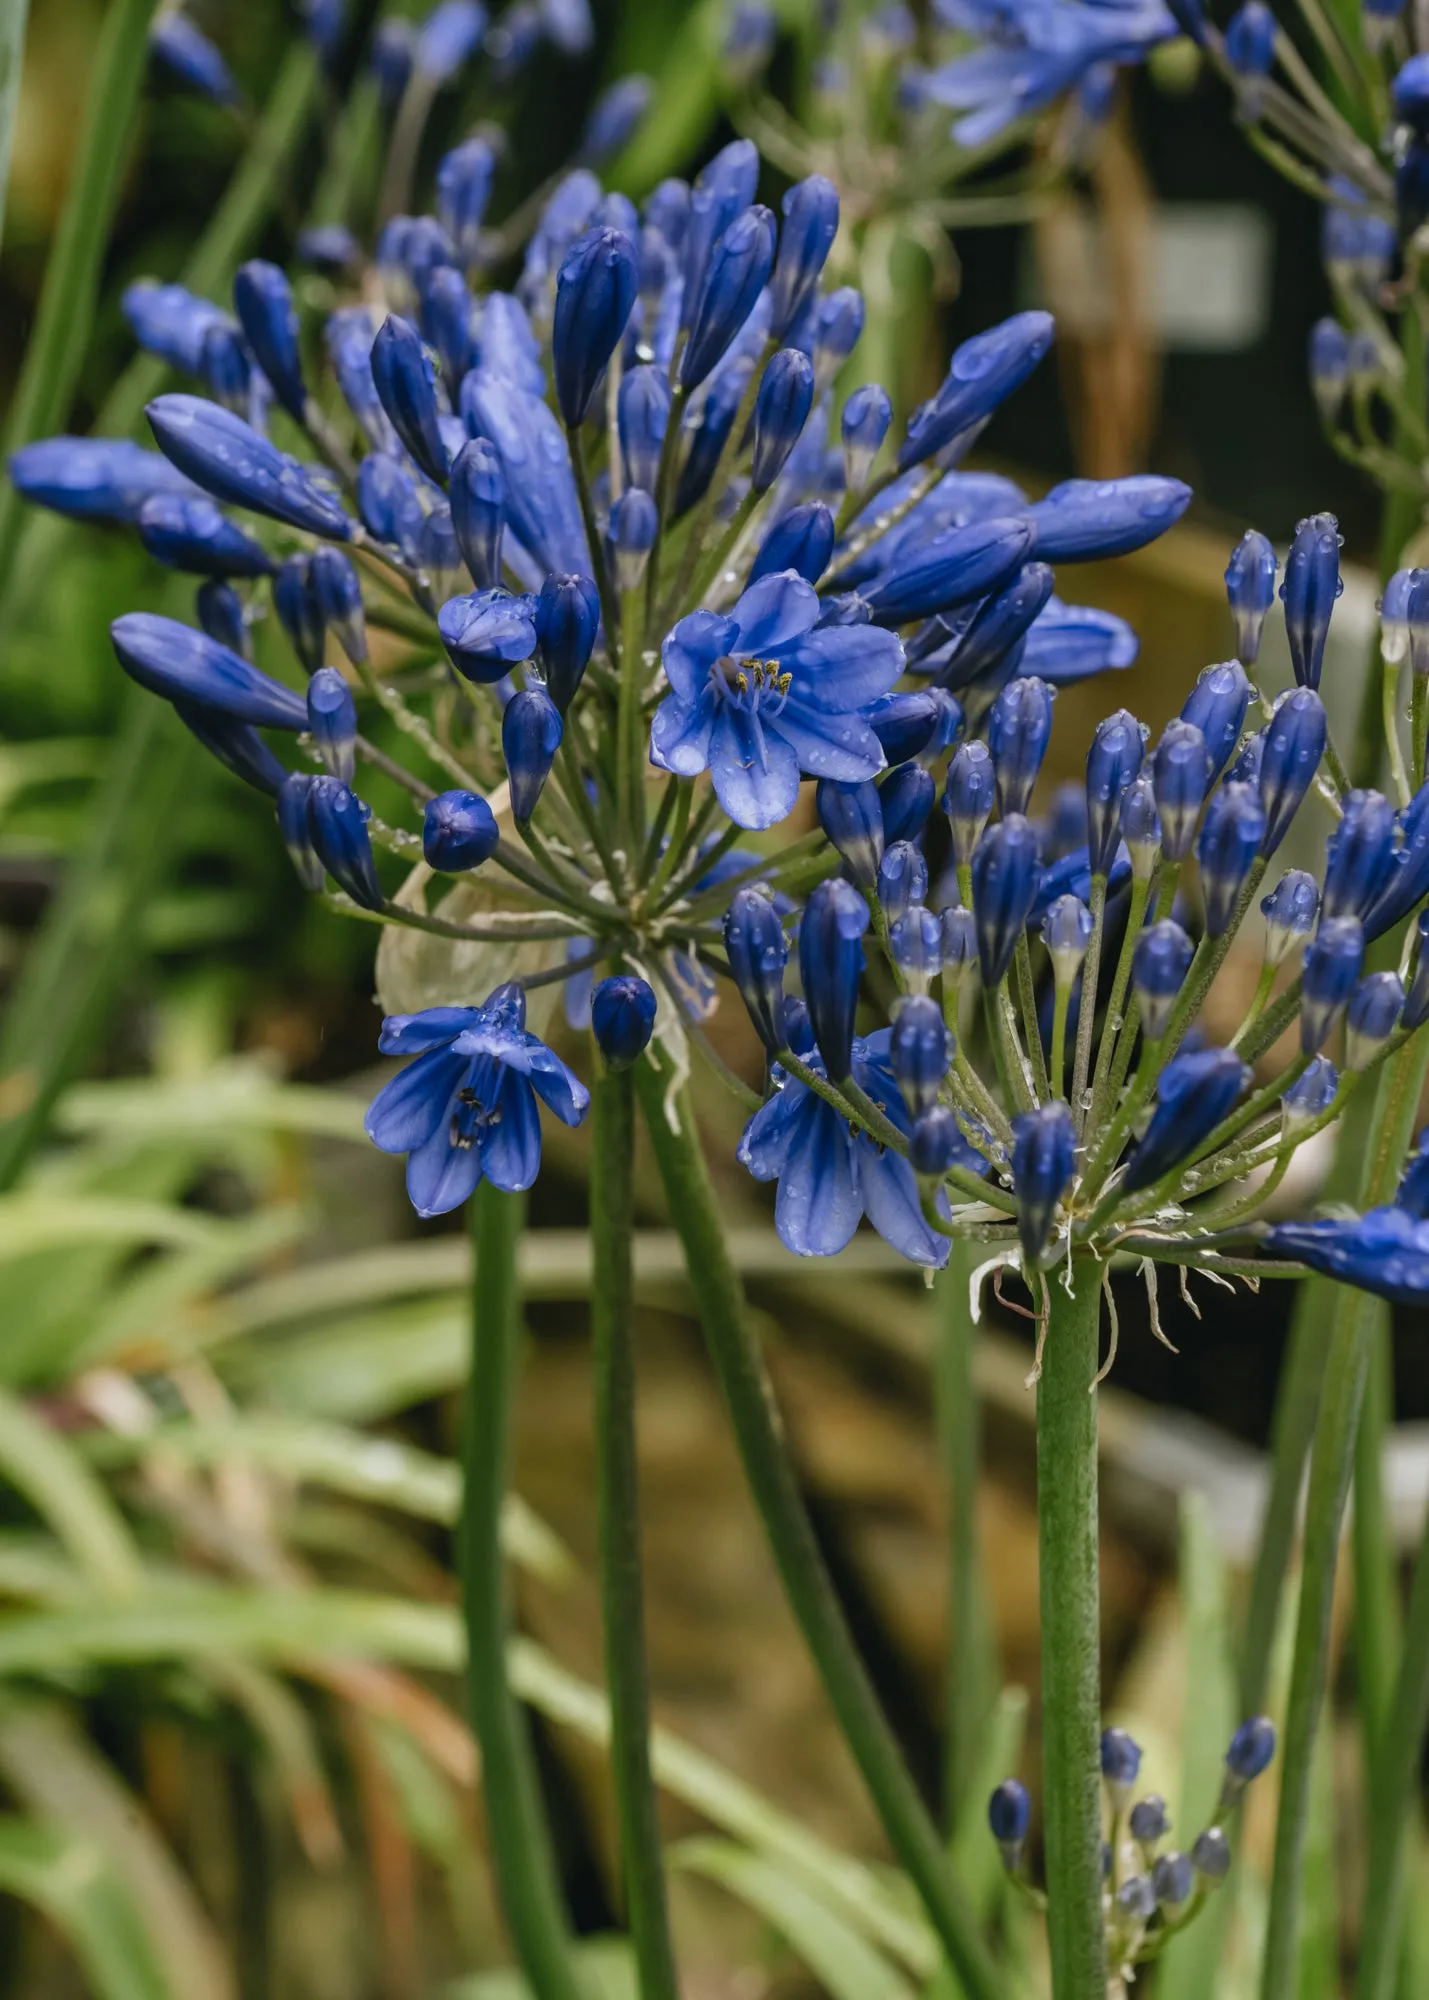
{"x":69,"y":1881}
{"x":39,"y":1463}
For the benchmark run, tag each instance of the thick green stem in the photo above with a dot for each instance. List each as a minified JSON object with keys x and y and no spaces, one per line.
{"x":520,"y":1844}
{"x":737,"y":1361}
{"x":971,"y":1664}
{"x":1071,"y":1649}
{"x":618,"y":1521}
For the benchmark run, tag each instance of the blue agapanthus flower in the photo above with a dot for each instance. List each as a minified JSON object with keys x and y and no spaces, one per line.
{"x":761,"y":696}
{"x":1386,"y":1250}
{"x":465,"y":1110}
{"x":829,"y":1178}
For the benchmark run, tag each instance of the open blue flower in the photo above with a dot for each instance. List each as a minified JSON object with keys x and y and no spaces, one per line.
{"x":760,"y":697}
{"x":1385,"y":1250}
{"x":828,"y":1177}
{"x":1033,"y":51}
{"x":465,"y":1110}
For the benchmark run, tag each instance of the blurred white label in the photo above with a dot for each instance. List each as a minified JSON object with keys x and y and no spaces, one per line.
{"x":1206,"y":274}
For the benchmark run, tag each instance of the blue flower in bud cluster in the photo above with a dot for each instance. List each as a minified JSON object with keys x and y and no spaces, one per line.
{"x":1211,"y":1856}
{"x":449,"y":38}
{"x":595,"y":291}
{"x":738,"y":269}
{"x":906,"y":798}
{"x":644,"y":414}
{"x":1333,"y":959}
{"x":1158,"y":972}
{"x":1416,"y":619}
{"x":1290,"y":912}
{"x":982,"y":374}
{"x":391,"y":58}
{"x":1411,"y":189}
{"x":1359,"y":855}
{"x":1181,"y":774}
{"x":851,"y":816}
{"x":192,"y":58}
{"x":760,"y":695}
{"x":1409,"y":95}
{"x":1364,"y":362}
{"x":801,"y":540}
{"x":1250,"y":50}
{"x":811,"y":220}
{"x":725,"y":186}
{"x":459,"y":831}
{"x":388,"y":503}
{"x":1141,"y":826}
{"x":936,"y":1143}
{"x":863,"y":427}
{"x":959,"y":930}
{"x":991,"y":642}
{"x":1009,"y":1814}
{"x":337,"y":827}
{"x":1198,"y":1089}
{"x":634,"y":525}
{"x":1149,"y":1820}
{"x":567,"y":25}
{"x":1416,"y":1000}
{"x":236,"y":745}
{"x":531,"y":732}
{"x":915,"y":944}
{"x":263,"y":300}
{"x":1394,"y":617}
{"x":193,"y":535}
{"x":225,"y":456}
{"x":221,"y":614}
{"x":338,"y":594}
{"x":614,"y":118}
{"x":465,"y":1111}
{"x":918,"y":1052}
{"x":949,"y":568}
{"x":227,"y":368}
{"x":1310,"y":1095}
{"x":1217,"y":706}
{"x":838,"y":328}
{"x":830,"y":966}
{"x":1292,"y":744}
{"x":968,"y":797}
{"x":1113,"y":763}
{"x":169,"y":321}
{"x":781,"y":409}
{"x":445,"y":316}
{"x":1412,"y":1194}
{"x":1231,"y":838}
{"x":1312,"y":583}
{"x":486,"y":635}
{"x":1019,"y":728}
{"x":463,"y":191}
{"x":1173,"y":1877}
{"x":406,"y":384}
{"x":1121,"y":1762}
{"x":478,"y":503}
{"x":1372,"y":1017}
{"x":917,"y":722}
{"x":758,"y":951}
{"x":183,"y":665}
{"x":567,"y":614}
{"x":299,"y":612}
{"x":622,"y":1018}
{"x":1385,"y":1251}
{"x":332,"y":723}
{"x":296,"y":834}
{"x":95,"y":479}
{"x":1006,"y":877}
{"x":902,"y":879}
{"x":1044,"y":1153}
{"x":1085,"y":520}
{"x":1251,"y":1749}
{"x":1136,"y":1899}
{"x":1067,"y":932}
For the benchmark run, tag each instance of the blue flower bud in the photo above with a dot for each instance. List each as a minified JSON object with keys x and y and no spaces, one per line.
{"x":297,"y":835}
{"x":332,"y":723}
{"x":830,"y":966}
{"x":622,"y":1018}
{"x":786,"y":396}
{"x":567,"y":25}
{"x":919,"y":722}
{"x":1231,"y":837}
{"x":634,"y":524}
{"x":1158,"y":972}
{"x":801,"y":540}
{"x":1198,"y":1088}
{"x":192,"y":58}
{"x":170,"y":321}
{"x":230,"y":460}
{"x":838,"y":327}
{"x":1251,"y":1749}
{"x":1006,"y":876}
{"x":915,"y":944}
{"x":1332,"y":966}
{"x":263,"y":300}
{"x":1250,"y":590}
{"x":959,"y":929}
{"x":566,"y":616}
{"x":463,"y":191}
{"x":906,"y":797}
{"x":1329,"y":365}
{"x":594,"y":294}
{"x":748,"y":40}
{"x":445,"y":307}
{"x":1066,"y":932}
{"x":94,"y":479}
{"x":1009,"y":1813}
{"x":1019,"y":728}
{"x":221,"y":614}
{"x":1173,"y":1877}
{"x":1044,"y":1156}
{"x":983,"y":372}
{"x":863,"y":427}
{"x":1409,"y":94}
{"x":951,"y":567}
{"x":438,"y":553}
{"x":1250,"y":43}
{"x":1416,"y":1002}
{"x":1413,"y":1191}
{"x":1359,"y":855}
{"x":902,"y":879}
{"x":1181,"y":774}
{"x":918,"y":1052}
{"x":1372,"y":1017}
{"x":1150,"y":1820}
{"x":1293,"y":742}
{"x":299,"y":612}
{"x":458,"y":832}
{"x":724,"y":187}
{"x":1394,"y":617}
{"x":998,"y":625}
{"x":851,"y":816}
{"x":936,"y":1143}
{"x":706,"y":435}
{"x":1312,"y":583}
{"x":1217,"y":706}
{"x":811,"y":221}
{"x":1141,"y":826}
{"x":486,"y":635}
{"x":391,"y":58}
{"x":183,"y":665}
{"x":1290,"y":911}
{"x":478,"y":504}
{"x":668,"y":209}
{"x":338,"y":593}
{"x":968,"y":797}
{"x":644,"y":415}
{"x":406,"y":385}
{"x":738,"y":269}
{"x":337,"y":827}
{"x":1113,"y":762}
{"x":1310,"y":1095}
{"x":1136,"y":1899}
{"x":1416,"y":620}
{"x":1364,"y":363}
{"x":531,"y":733}
{"x":1121,"y":1759}
{"x":613,"y":119}
{"x":192,"y":534}
{"x":758,"y":951}
{"x":1086,"y":520}
{"x":236,"y":745}
{"x":448,"y":38}
{"x":1211,"y":1856}
{"x":226,"y":368}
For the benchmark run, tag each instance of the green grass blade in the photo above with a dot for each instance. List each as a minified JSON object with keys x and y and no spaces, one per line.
{"x":975,"y":1854}
{"x":68,"y":1880}
{"x":39,"y":1463}
{"x":12,"y":51}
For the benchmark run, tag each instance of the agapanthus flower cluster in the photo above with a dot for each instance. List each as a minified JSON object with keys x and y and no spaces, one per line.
{"x":1151,"y":1890}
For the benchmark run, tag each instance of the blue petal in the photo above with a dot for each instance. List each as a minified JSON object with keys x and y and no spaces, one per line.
{"x":411,"y":1034}
{"x":692,"y":648}
{"x":890,"y":1195}
{"x":756,"y":778}
{"x":771,"y":1132}
{"x":511,"y":1146}
{"x":830,"y":746}
{"x":774,"y":612}
{"x":844,"y":666}
{"x":558,"y":1087}
{"x":818,"y":1206}
{"x":407,"y":1111}
{"x":680,"y":733}
{"x":441,"y":1176}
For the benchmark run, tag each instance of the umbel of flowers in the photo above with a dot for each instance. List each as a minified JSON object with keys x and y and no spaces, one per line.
{"x":637,"y":584}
